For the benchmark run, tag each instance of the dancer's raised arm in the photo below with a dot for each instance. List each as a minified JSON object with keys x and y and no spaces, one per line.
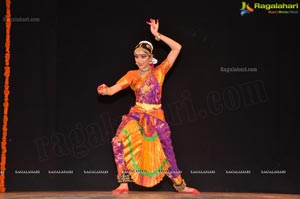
{"x":174,"y":45}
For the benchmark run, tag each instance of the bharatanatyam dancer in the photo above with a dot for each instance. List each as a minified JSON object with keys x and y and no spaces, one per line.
{"x":142,"y":145}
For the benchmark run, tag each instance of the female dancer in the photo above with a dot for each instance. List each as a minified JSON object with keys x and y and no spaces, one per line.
{"x":142,"y":145}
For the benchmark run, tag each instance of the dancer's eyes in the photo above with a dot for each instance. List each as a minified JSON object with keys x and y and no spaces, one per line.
{"x":143,"y":56}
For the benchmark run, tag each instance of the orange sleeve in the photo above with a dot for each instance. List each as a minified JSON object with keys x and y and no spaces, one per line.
{"x":164,"y":67}
{"x":126,"y":80}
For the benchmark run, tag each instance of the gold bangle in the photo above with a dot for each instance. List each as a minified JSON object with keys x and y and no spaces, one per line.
{"x":157,"y":37}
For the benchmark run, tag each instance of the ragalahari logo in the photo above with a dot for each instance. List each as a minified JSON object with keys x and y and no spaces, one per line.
{"x":246,"y":9}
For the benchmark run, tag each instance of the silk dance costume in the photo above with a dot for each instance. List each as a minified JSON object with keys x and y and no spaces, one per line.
{"x":142,"y":145}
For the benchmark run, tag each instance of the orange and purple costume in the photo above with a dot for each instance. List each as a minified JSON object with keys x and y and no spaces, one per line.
{"x":142,"y":145}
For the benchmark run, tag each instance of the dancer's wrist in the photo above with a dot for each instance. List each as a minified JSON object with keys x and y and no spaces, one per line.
{"x":158,"y":36}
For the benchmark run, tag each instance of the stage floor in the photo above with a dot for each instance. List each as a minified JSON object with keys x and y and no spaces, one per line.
{"x":142,"y":195}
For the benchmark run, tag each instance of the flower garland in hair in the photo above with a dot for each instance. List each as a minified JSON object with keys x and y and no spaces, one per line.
{"x":6,"y":94}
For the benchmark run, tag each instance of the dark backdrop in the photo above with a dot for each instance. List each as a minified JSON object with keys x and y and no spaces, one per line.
{"x":231,"y":131}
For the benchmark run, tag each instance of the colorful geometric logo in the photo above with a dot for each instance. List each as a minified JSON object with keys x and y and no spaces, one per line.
{"x":246,"y":9}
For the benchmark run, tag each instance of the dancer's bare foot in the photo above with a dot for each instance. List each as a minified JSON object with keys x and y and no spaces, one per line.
{"x":182,"y":188}
{"x":189,"y":190}
{"x":123,"y":188}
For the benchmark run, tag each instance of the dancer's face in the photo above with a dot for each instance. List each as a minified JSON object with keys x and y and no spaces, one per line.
{"x":142,"y":58}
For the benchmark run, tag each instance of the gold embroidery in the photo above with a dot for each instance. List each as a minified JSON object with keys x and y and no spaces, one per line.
{"x":148,"y":107}
{"x":146,"y":89}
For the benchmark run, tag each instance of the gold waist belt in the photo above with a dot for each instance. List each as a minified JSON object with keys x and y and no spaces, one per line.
{"x":148,"y":107}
